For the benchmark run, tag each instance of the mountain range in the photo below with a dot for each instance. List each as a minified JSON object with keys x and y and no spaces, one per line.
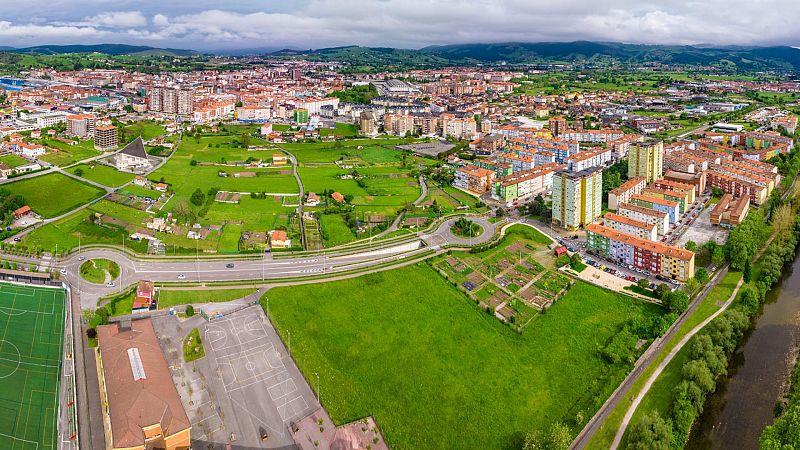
{"x":782,"y":58}
{"x":776,"y":58}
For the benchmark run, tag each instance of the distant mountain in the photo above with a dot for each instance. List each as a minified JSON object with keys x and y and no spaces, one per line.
{"x":742,"y":58}
{"x":109,"y":49}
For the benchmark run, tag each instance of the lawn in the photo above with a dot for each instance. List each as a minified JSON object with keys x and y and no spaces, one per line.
{"x":13,"y":161}
{"x":63,"y":154}
{"x":436,"y":372}
{"x":193,"y":346}
{"x":334,"y":230}
{"x":168,"y":298}
{"x":99,"y":173}
{"x":30,"y":364}
{"x":659,"y":395}
{"x":97,"y":270}
{"x":39,"y":192}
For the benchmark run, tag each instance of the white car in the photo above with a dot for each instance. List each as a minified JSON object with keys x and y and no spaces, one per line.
{"x":81,"y":258}
{"x":181,"y":277}
{"x":110,"y":284}
{"x":63,"y":271}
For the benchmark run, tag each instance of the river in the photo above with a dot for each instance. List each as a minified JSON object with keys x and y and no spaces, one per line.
{"x":744,"y":402}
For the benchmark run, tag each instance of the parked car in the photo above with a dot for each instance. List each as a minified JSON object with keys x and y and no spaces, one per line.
{"x":229,"y":265}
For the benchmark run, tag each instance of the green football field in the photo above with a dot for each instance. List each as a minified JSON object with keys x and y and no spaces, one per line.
{"x":31,"y":342}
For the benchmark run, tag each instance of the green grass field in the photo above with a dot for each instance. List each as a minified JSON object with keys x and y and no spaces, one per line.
{"x":437,"y":372}
{"x":168,"y":298}
{"x":32,"y":324}
{"x":105,"y":175}
{"x":63,"y":154}
{"x":38,"y":193}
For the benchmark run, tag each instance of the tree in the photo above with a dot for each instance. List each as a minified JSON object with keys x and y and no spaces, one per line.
{"x":747,"y":272}
{"x":650,"y":433}
{"x":718,"y":256}
{"x":557,"y":438}
{"x":643,"y":283}
{"x":245,"y":139}
{"x":662,"y":290}
{"x":79,"y":172}
{"x":198,"y":198}
{"x":193,"y":162}
{"x":189,"y":310}
{"x":575,"y":259}
{"x":91,"y":333}
{"x":692,"y":286}
{"x":701,"y":275}
{"x":676,"y":301}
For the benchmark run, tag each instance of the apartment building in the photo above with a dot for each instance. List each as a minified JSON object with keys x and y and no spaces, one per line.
{"x":521,"y":187}
{"x":518,"y":163}
{"x":624,"y":192}
{"x":659,"y":218}
{"x":729,"y":212}
{"x":619,"y":147}
{"x":681,"y":197}
{"x":689,"y":189}
{"x":593,"y":136}
{"x":577,"y":197}
{"x":589,"y":158}
{"x":627,"y":225}
{"x":742,"y":180}
{"x":698,"y":180}
{"x":654,"y":257}
{"x":106,"y":137}
{"x":398,"y":124}
{"x":458,"y":127}
{"x":646,"y":159}
{"x":557,"y":125}
{"x":81,"y":125}
{"x":473,"y":179}
{"x":672,"y":208}
{"x":171,"y":100}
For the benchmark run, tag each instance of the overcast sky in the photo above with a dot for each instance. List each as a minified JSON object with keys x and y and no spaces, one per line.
{"x":236,"y":24}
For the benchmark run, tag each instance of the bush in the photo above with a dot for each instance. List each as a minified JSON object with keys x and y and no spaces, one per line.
{"x":189,"y":310}
{"x":91,"y":333}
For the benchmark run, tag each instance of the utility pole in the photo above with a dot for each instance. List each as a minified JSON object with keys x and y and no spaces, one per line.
{"x":318,"y":393}
{"x":289,"y":340}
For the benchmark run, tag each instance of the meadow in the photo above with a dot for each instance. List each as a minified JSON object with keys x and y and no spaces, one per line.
{"x":53,"y":194}
{"x":437,"y":372}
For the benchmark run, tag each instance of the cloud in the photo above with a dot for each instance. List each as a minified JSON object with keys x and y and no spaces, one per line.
{"x":118,"y":19}
{"x":206,"y":24}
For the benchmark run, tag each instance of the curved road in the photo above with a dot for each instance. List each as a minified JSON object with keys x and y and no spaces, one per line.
{"x":266,"y":268}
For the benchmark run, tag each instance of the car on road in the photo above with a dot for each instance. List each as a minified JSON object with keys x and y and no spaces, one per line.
{"x":110,"y":284}
{"x":229,"y":265}
{"x":81,"y":258}
{"x":181,"y":276}
{"x":63,"y":271}
{"x":16,"y":239}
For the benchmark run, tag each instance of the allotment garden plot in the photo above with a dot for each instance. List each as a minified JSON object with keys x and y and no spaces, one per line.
{"x":31,"y":343}
{"x":514,"y":280}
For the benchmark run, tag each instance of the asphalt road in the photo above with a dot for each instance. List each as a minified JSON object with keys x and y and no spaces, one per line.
{"x":266,"y":268}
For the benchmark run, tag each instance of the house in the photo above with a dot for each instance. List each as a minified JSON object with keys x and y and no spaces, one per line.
{"x":266,"y":129}
{"x":30,"y":150}
{"x":279,"y":159}
{"x":337,"y":197}
{"x":161,"y":187}
{"x":312,"y":199}
{"x":22,"y":212}
{"x":132,"y":157}
{"x":142,"y":407}
{"x":140,"y":181}
{"x":145,"y":296}
{"x":5,"y":171}
{"x":560,"y":251}
{"x":279,"y":239}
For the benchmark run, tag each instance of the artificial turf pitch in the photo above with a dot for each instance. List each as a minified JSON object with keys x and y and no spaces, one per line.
{"x":31,"y":343}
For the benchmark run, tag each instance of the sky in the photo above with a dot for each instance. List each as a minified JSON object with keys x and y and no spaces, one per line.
{"x":208,"y":25}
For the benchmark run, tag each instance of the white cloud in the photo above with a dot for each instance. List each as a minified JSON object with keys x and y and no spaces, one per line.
{"x":118,"y":19}
{"x":408,"y":23}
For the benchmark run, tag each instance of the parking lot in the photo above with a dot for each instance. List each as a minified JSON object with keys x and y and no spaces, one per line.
{"x":700,"y":231}
{"x":245,"y":387}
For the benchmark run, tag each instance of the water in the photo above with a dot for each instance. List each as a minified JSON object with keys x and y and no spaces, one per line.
{"x":744,"y":402}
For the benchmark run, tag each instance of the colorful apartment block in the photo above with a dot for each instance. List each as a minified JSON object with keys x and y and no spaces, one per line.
{"x":624,"y":192}
{"x":672,"y":208}
{"x":659,"y":218}
{"x":654,"y":257}
{"x":577,"y":197}
{"x":521,"y":187}
{"x":473,"y":179}
{"x":646,"y":159}
{"x":667,"y":194}
{"x":627,"y":225}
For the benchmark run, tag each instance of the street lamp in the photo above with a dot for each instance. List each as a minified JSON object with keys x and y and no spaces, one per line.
{"x":318,"y":393}
{"x":289,"y":339}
